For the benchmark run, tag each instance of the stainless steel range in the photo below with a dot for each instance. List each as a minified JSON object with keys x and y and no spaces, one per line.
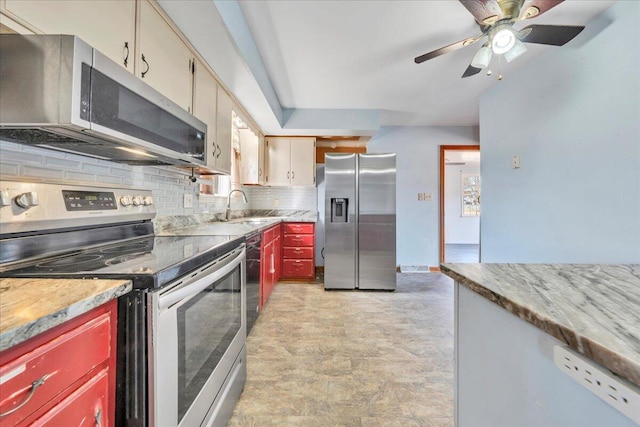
{"x":181,"y":331}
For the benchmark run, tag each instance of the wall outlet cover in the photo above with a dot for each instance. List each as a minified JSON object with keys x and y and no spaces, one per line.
{"x":188,"y":200}
{"x":515,"y":162}
{"x":615,"y":391}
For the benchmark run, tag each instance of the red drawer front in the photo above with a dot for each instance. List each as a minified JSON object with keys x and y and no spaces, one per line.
{"x":303,"y":268}
{"x":63,"y":360}
{"x":298,"y":240}
{"x":298,"y":253}
{"x":298,"y":228}
{"x":86,"y":406}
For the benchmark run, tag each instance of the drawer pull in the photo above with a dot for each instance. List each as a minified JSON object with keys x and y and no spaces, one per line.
{"x":34,"y":387}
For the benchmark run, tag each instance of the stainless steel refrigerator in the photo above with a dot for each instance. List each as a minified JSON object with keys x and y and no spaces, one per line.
{"x":360,"y":221}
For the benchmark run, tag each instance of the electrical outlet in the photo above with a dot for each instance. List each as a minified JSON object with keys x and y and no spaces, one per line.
{"x":276,"y":203}
{"x":427,"y":197}
{"x":420,"y":197}
{"x":188,"y":200}
{"x":515,"y":162}
{"x":617,"y":392}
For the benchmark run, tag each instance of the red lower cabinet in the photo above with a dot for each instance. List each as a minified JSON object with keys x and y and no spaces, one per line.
{"x":298,"y":251}
{"x":270,"y":254}
{"x":64,"y":376}
{"x":87,"y":406}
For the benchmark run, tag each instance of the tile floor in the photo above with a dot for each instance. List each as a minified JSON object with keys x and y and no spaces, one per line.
{"x":454,"y":252}
{"x":352,"y":358}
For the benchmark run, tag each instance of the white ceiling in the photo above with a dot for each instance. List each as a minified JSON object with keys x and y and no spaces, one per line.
{"x":327,"y":54}
{"x":346,"y":67}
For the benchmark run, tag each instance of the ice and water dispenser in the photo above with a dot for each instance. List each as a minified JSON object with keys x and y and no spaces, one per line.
{"x":339,"y":210}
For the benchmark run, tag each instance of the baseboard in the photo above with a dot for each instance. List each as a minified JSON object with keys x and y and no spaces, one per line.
{"x":417,"y":269}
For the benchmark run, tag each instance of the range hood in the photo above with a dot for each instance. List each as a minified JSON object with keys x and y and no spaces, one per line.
{"x":58,"y":92}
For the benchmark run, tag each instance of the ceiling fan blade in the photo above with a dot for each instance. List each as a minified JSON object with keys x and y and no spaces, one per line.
{"x":538,"y":7}
{"x":555,"y":35}
{"x":471,"y":71}
{"x":450,"y":48}
{"x":483,"y":10}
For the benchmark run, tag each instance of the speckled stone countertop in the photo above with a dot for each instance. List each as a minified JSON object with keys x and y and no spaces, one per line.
{"x":31,"y":306}
{"x":594,"y":309}
{"x":238,"y":226}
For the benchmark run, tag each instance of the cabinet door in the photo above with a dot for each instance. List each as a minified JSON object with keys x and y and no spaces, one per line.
{"x":205,"y":97}
{"x":107,"y":25}
{"x":277,"y":249}
{"x":266,"y":272}
{"x":303,"y":161}
{"x":164,"y":61}
{"x":223,"y":132}
{"x":278,"y":161}
{"x":250,"y":157}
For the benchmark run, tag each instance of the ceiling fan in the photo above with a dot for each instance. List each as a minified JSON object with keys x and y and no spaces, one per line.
{"x":496,"y":19}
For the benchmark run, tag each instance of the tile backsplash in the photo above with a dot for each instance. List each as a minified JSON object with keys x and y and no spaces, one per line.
{"x":168,"y":183}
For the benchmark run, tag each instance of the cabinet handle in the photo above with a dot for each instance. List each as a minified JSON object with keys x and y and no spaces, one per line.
{"x":273,"y":263}
{"x":34,"y":387}
{"x":126,"y":54}
{"x":145,"y":63}
{"x":259,"y":172}
{"x":219,"y":151}
{"x":293,"y":175}
{"x":288,"y":175}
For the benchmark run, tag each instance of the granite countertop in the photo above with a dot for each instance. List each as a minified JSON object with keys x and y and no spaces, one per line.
{"x":31,"y":306}
{"x":240,"y":226}
{"x":594,"y":309}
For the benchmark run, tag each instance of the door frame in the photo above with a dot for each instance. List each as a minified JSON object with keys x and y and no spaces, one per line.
{"x":444,"y":148}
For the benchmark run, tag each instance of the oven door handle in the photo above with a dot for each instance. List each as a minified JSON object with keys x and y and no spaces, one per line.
{"x":191,"y":290}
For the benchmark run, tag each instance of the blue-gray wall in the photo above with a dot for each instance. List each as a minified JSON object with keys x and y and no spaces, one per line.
{"x":418,"y":171}
{"x":572,"y":114}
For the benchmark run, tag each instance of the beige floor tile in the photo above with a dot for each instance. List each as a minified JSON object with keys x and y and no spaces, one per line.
{"x":351,"y":358}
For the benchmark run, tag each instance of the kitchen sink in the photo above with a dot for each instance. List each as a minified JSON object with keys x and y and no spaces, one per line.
{"x":255,"y":220}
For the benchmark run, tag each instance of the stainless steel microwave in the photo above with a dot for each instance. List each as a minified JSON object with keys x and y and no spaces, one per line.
{"x":58,"y":92}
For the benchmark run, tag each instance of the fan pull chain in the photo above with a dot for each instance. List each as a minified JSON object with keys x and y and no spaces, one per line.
{"x":499,"y":67}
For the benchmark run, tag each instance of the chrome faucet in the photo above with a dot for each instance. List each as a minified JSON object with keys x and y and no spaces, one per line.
{"x":228,"y":211}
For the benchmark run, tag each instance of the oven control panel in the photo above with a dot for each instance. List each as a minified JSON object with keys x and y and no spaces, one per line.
{"x":33,"y":206}
{"x":89,"y":200}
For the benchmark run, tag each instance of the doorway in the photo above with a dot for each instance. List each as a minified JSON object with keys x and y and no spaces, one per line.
{"x":460,"y":203}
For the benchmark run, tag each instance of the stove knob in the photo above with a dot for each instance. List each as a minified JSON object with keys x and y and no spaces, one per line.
{"x":27,"y":200}
{"x":147,"y":200}
{"x":125,"y":200}
{"x":136,"y":200}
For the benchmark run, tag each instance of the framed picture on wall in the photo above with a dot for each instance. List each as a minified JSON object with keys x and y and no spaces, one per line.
{"x":470,"y":194}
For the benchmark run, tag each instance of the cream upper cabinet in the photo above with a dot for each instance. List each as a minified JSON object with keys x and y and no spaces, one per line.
{"x":107,"y":25}
{"x":223,"y":131}
{"x":290,"y":161}
{"x":205,"y":99}
{"x":164,"y":61}
{"x":251,"y":157}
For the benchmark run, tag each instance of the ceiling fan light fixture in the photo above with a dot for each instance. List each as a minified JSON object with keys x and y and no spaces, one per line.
{"x":503,"y":39}
{"x":482,"y":58}
{"x":518,"y":49}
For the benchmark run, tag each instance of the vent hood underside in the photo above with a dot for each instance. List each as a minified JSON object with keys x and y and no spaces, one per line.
{"x":81,"y":143}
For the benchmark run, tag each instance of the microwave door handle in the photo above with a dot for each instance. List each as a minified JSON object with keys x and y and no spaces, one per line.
{"x":188,"y":292}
